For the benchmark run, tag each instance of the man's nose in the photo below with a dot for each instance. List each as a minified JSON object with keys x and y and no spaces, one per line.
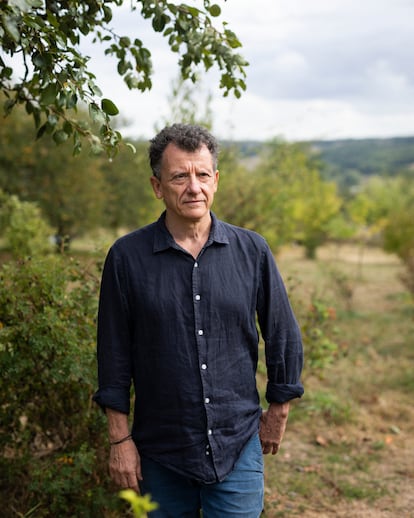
{"x":193,"y":183}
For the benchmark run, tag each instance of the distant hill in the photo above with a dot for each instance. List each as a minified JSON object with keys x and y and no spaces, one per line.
{"x":368,"y":156}
{"x":348,"y":161}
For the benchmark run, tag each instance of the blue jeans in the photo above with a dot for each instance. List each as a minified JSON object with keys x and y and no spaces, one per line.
{"x":239,"y":495}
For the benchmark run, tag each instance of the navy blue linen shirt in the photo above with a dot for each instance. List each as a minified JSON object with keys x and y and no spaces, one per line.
{"x":184,"y":331}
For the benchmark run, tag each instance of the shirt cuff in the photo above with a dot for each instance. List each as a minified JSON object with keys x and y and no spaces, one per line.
{"x":113,"y":397}
{"x":281,"y":393}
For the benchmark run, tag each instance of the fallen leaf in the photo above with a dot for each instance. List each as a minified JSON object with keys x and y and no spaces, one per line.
{"x":321,"y":440}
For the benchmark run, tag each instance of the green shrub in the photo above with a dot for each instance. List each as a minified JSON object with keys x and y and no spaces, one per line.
{"x":52,"y":460}
{"x":47,"y":361}
{"x":317,"y":330}
{"x":25,"y":231}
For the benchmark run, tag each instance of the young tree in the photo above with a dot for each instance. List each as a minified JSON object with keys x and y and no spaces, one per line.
{"x":187,"y":106}
{"x":399,"y":229}
{"x":315,"y":205}
{"x":384,"y":207}
{"x":295,"y":204}
{"x":56,"y":78}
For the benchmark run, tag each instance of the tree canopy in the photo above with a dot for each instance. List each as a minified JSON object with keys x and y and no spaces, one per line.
{"x":56,"y":78}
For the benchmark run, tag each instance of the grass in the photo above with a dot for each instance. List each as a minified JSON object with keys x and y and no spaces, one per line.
{"x":350,"y":439}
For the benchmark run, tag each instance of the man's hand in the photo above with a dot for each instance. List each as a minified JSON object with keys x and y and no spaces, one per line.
{"x":125,"y":465}
{"x":272,"y":427}
{"x":124,"y":459}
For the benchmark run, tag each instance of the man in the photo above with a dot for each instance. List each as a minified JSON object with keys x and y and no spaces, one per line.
{"x":177,"y":315}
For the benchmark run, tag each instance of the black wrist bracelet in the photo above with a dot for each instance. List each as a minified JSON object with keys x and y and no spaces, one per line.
{"x":124,"y":439}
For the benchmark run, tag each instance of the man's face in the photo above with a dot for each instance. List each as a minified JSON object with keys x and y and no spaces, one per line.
{"x":188,"y":183}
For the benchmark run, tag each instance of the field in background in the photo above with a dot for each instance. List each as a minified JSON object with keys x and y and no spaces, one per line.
{"x":348,"y":449}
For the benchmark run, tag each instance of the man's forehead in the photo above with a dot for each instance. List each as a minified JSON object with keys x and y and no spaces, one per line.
{"x":175,"y":155}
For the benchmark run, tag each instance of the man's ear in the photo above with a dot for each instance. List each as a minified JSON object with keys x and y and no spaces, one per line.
{"x":156,"y":187}
{"x":216,"y":179}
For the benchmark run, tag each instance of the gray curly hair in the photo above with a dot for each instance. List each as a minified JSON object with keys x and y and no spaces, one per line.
{"x":188,"y":137}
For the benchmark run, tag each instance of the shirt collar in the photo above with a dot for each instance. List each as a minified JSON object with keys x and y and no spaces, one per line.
{"x":164,"y":240}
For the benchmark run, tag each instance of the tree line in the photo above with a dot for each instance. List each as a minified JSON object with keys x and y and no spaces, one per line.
{"x":284,"y":195}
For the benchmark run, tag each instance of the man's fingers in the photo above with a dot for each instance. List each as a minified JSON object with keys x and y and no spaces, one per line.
{"x":272,"y":448}
{"x":266,"y":448}
{"x":275,"y":449}
{"x":125,"y":466}
{"x":138,"y":472}
{"x":133,"y":484}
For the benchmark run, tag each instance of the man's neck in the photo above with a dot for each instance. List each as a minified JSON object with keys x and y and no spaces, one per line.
{"x":190,"y":235}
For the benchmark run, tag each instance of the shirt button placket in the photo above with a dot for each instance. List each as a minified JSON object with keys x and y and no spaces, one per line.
{"x":197,"y":315}
{"x":201,"y":345}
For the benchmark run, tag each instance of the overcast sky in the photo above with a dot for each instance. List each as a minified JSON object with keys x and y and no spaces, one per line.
{"x":319,"y":69}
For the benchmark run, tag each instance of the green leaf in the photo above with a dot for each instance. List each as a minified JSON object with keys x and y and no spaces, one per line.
{"x":26,"y":5}
{"x":158,"y":23}
{"x":71,"y":101}
{"x":67,"y":128}
{"x":125,"y":42}
{"x":123,"y":67}
{"x":9,"y":105}
{"x":11,"y":26}
{"x":107,"y":13}
{"x":96,"y":114}
{"x":109,"y":107}
{"x":60,"y":136}
{"x":94,"y":88}
{"x":232,"y":39}
{"x":215,"y":10}
{"x":52,"y":120}
{"x":41,"y":131}
{"x":48,"y":94}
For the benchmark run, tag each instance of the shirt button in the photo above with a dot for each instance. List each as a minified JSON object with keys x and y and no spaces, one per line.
{"x":204,"y":366}
{"x":200,"y":332}
{"x":207,"y":400}
{"x":209,"y":431}
{"x":195,"y":265}
{"x":197,"y":297}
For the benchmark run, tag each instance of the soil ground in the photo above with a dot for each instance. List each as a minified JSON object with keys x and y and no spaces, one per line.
{"x":349,"y":446}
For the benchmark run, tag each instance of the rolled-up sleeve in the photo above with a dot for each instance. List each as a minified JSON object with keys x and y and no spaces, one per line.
{"x":281,"y":334}
{"x":113,"y":339}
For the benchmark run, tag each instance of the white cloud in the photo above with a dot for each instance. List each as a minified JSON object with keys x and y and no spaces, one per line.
{"x":318,"y":69}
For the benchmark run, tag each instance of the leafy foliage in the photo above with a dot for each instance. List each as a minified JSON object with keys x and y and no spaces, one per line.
{"x":295,"y":203}
{"x":75,"y":194}
{"x":399,"y":229}
{"x":321,"y":349}
{"x":56,"y":78}
{"x":140,"y":505}
{"x":47,"y":360}
{"x":25,"y":231}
